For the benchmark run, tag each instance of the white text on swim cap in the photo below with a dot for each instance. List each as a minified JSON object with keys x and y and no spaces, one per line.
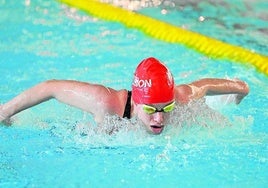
{"x":142,"y":83}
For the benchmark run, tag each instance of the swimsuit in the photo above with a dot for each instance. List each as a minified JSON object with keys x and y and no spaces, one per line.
{"x":127,"y":112}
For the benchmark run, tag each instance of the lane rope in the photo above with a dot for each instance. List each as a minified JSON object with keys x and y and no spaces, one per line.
{"x":166,"y":32}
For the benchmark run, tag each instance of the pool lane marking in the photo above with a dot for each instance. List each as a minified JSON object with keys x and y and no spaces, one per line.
{"x":166,"y":32}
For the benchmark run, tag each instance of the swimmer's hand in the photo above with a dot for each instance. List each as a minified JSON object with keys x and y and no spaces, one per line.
{"x":238,"y":98}
{"x":245,"y":90}
{"x":7,"y":122}
{"x":3,"y":119}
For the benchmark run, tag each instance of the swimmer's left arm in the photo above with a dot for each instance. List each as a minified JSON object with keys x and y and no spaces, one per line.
{"x":212,"y":86}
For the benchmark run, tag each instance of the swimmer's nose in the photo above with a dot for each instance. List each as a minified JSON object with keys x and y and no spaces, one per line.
{"x":158,"y":117}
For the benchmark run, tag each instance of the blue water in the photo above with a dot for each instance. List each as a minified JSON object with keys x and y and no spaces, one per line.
{"x":54,"y":145}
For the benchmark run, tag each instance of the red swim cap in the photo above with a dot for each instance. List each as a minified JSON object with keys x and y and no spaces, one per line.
{"x":152,"y":83}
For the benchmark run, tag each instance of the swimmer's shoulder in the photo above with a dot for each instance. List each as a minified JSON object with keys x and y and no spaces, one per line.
{"x":118,"y":101}
{"x":183,"y":93}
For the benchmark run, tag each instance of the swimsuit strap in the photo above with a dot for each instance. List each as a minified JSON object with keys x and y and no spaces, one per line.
{"x":127,"y":111}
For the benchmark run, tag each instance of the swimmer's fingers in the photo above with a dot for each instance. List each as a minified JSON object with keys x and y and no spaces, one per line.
{"x":3,"y":119}
{"x":244,"y":89}
{"x":239,"y":98}
{"x":7,"y":122}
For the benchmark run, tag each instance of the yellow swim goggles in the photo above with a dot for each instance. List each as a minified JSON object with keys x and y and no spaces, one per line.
{"x":150,"y":109}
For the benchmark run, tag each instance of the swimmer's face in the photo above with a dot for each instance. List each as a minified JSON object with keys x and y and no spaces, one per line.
{"x":154,"y":116}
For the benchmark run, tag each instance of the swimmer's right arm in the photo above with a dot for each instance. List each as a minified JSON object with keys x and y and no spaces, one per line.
{"x":88,"y":97}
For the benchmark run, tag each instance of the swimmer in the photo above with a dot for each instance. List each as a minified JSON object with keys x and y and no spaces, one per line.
{"x":153,"y":96}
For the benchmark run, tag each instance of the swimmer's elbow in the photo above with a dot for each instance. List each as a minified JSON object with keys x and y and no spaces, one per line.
{"x":50,"y":89}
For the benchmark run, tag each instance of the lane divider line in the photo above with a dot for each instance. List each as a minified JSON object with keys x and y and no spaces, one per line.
{"x":172,"y":34}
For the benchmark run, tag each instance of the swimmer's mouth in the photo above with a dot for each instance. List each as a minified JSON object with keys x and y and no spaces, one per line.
{"x":157,"y":129}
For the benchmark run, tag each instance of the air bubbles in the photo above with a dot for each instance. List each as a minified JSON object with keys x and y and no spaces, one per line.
{"x":27,"y":3}
{"x":201,"y":18}
{"x":164,"y":11}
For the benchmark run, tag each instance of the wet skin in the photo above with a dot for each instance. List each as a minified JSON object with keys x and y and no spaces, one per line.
{"x":156,"y":122}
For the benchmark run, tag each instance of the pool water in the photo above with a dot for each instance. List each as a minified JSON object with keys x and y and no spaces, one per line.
{"x":54,"y":145}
